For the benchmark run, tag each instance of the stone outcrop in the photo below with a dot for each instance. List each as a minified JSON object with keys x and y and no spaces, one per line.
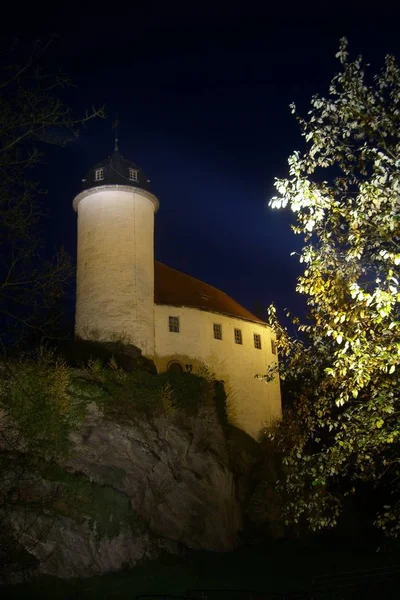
{"x":165,"y":485}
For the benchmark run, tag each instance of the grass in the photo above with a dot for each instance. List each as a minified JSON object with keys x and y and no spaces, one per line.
{"x":274,"y":567}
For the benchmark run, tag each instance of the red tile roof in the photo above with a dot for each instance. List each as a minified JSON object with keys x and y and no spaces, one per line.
{"x":177,"y":289}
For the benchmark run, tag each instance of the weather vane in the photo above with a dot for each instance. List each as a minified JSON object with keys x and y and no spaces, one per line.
{"x":115,"y":126}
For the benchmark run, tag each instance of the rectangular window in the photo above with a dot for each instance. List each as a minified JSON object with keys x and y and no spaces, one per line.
{"x":273,"y":346}
{"x":99,"y":174}
{"x":174,"y":324}
{"x":238,"y":336}
{"x":257,"y":341}
{"x":217,"y":331}
{"x":133,"y":175}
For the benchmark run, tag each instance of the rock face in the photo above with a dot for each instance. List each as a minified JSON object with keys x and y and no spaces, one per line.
{"x":72,"y":550}
{"x":171,"y":482}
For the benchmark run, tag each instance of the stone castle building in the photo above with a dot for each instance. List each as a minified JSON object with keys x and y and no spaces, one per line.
{"x":178,"y":321}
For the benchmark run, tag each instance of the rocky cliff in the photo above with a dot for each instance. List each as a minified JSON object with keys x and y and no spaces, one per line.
{"x":137,"y":489}
{"x":111,"y":463}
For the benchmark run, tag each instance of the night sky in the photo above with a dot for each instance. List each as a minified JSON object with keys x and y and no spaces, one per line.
{"x":204,"y":110}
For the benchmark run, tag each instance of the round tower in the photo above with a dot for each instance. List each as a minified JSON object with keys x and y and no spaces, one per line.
{"x":115,"y":256}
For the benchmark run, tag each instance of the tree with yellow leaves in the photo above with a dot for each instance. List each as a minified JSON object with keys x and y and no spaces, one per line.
{"x":344,"y":373}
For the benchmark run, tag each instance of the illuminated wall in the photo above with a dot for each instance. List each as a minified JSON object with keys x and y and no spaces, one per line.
{"x":115,"y":301}
{"x":251,"y":402}
{"x":115,"y":270}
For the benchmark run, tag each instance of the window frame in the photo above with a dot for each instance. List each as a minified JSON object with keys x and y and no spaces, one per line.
{"x":257,"y":341}
{"x":237,"y":336}
{"x":99,"y":174}
{"x":173,"y":322}
{"x":133,"y":174}
{"x":273,"y":347}
{"x":217,"y":327}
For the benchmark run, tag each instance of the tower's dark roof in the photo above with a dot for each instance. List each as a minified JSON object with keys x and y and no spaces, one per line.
{"x":178,"y":289}
{"x":116,"y":172}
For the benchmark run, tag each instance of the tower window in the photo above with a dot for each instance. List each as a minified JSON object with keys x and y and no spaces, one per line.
{"x":133,"y":175}
{"x":238,"y":336}
{"x":99,"y":174}
{"x":217,"y":331}
{"x":273,"y":346}
{"x":257,"y":341}
{"x":173,"y":324}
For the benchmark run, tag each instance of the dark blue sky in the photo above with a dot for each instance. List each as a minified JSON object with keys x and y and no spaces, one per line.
{"x":204,"y":111}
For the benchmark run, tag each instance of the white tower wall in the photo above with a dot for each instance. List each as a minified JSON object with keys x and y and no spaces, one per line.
{"x":115,"y":265}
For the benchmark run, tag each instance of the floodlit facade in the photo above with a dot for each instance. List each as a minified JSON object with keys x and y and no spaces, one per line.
{"x":180,"y":322}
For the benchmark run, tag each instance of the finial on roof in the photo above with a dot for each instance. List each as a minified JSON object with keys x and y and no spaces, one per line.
{"x":115,"y":126}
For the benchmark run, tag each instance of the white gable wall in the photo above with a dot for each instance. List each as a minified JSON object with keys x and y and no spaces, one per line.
{"x":251,"y":402}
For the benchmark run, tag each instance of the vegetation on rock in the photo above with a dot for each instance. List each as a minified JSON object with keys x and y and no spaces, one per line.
{"x":37,"y":414}
{"x":43,"y":401}
{"x":105,"y":510}
{"x":131,"y":396}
